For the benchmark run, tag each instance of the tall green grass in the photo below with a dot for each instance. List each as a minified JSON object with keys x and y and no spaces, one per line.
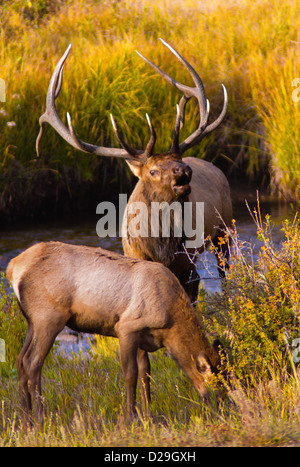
{"x":226,"y":42}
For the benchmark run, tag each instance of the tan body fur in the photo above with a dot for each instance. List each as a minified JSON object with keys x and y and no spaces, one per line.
{"x":96,"y":291}
{"x":209,"y":185}
{"x":163,"y":177}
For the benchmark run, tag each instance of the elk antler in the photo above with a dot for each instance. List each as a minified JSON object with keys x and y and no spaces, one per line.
{"x":51,"y":116}
{"x":199,"y":93}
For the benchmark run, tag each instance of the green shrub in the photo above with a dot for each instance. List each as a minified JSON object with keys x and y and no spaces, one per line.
{"x":258,"y":313}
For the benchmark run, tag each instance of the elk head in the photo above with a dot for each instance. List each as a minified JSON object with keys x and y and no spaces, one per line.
{"x":165,"y":176}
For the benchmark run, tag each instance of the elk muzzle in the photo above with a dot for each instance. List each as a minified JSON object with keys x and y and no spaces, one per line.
{"x":182,"y":175}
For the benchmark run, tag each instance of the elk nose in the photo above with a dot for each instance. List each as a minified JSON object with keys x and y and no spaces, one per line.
{"x":178,"y":170}
{"x":188,"y":171}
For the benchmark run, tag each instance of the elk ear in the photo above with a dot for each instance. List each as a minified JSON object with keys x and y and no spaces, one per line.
{"x":203,"y":365}
{"x":136,"y":167}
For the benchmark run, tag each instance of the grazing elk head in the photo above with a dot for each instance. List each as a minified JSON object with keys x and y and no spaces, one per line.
{"x":165,"y":176}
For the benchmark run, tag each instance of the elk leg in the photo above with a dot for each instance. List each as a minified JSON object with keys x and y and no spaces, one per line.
{"x":191,"y":286}
{"x":25,"y":398}
{"x":144,"y":378}
{"x":42,"y":339}
{"x":186,"y":272}
{"x":128,"y":352}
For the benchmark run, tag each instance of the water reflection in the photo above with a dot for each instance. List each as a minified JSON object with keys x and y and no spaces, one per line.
{"x":83,"y":232}
{"x":247,"y":233}
{"x":78,"y":231}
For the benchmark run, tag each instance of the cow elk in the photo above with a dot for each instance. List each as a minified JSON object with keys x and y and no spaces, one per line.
{"x":96,"y":291}
{"x":164,"y":177}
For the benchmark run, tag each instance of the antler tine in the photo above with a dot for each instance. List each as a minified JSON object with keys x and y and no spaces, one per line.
{"x":188,"y":91}
{"x":59,"y":82}
{"x":180,"y":112}
{"x":196,"y":137}
{"x":150,"y":146}
{"x":53,"y":92}
{"x":217,"y":122}
{"x":51,"y":116}
{"x":122,"y":142}
{"x":199,"y":93}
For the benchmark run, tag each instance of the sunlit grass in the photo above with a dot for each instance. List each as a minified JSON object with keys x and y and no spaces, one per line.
{"x":85,"y":406}
{"x":251,"y":47}
{"x":85,"y":394}
{"x":226,"y":42}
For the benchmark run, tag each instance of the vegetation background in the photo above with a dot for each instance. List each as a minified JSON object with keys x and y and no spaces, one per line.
{"x":253,"y":48}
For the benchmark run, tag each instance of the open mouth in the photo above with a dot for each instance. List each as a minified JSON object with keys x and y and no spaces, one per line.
{"x":182,"y":185}
{"x":182,"y":189}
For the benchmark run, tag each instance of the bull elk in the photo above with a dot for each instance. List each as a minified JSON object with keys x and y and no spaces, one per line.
{"x":96,"y":291}
{"x":164,"y":177}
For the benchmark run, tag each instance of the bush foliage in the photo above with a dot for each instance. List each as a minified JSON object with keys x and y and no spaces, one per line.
{"x":258,"y":314}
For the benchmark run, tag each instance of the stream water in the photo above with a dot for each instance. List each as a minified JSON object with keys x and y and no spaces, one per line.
{"x":82,"y":231}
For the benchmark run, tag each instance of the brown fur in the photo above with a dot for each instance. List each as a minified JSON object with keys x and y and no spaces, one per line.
{"x":163,"y":177}
{"x":208,"y":184}
{"x":96,"y":291}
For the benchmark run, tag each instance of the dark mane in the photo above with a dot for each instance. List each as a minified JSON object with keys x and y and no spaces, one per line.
{"x":158,"y":248}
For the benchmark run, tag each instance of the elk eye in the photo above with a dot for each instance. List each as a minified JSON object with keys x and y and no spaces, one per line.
{"x":153,"y":172}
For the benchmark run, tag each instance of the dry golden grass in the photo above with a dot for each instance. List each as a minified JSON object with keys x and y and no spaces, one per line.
{"x":252,"y":47}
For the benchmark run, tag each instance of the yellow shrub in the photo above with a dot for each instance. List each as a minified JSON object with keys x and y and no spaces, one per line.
{"x":260,"y":305}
